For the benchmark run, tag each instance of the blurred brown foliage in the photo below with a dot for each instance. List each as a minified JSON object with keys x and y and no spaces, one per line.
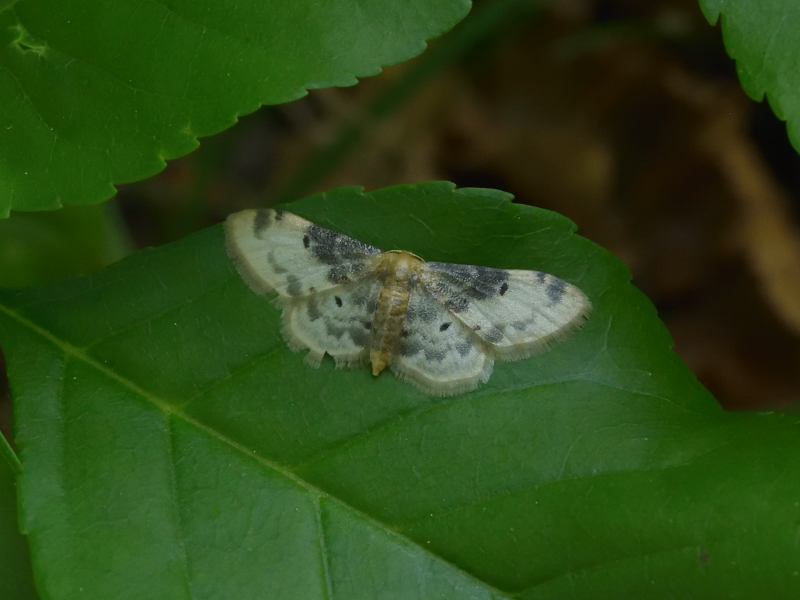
{"x":625,"y":116}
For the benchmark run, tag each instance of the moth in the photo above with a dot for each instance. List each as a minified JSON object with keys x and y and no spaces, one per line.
{"x":439,"y":326}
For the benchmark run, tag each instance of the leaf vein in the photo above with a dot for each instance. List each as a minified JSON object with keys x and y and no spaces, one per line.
{"x":150,"y":318}
{"x":604,"y":563}
{"x":70,"y":350}
{"x":175,"y":508}
{"x":246,"y":366}
{"x":323,"y":548}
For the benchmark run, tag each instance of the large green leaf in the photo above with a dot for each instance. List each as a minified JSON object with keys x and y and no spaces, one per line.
{"x":763,"y":39}
{"x":174,"y":447}
{"x":99,"y":92}
{"x":16,"y":577}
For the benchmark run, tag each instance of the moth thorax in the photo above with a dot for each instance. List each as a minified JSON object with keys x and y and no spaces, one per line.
{"x":400,"y":264}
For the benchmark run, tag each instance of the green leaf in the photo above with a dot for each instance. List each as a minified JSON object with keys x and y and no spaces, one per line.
{"x":16,"y":577}
{"x":95,"y":93}
{"x":42,"y":247}
{"x":763,"y":40}
{"x":165,"y":429}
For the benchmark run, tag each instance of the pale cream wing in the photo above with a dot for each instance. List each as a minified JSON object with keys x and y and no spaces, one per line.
{"x":437,"y":352}
{"x":337,"y":322}
{"x":277,"y":251}
{"x":518,"y":313}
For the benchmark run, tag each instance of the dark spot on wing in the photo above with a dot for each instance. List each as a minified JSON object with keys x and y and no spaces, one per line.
{"x":503,"y":288}
{"x":555,"y":290}
{"x":341,"y":273}
{"x":367,"y":325}
{"x":294,"y":288}
{"x":364,"y":295}
{"x":411,"y":314}
{"x":360,"y":297}
{"x":464,"y":347}
{"x":359,"y":336}
{"x":313,"y":310}
{"x":521,"y":325}
{"x":444,"y":326}
{"x":458,"y":285}
{"x":260,"y":222}
{"x":279,"y":214}
{"x":338,"y":301}
{"x":422,"y":307}
{"x":312,"y":289}
{"x":434,"y":354}
{"x":494,"y":335}
{"x":476,"y":328}
{"x":342,"y":253}
{"x":477,"y":283}
{"x":409,"y":347}
{"x":279,"y":270}
{"x":332,"y":248}
{"x":405,"y":333}
{"x":333,"y":331}
{"x":540,"y":277}
{"x":455,"y":302}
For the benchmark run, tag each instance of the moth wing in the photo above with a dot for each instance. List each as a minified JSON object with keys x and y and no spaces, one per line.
{"x":337,"y":321}
{"x":518,"y":313}
{"x":436,"y":352}
{"x":276,"y":251}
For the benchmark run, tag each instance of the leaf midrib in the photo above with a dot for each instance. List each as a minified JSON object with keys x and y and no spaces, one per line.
{"x":315,"y":492}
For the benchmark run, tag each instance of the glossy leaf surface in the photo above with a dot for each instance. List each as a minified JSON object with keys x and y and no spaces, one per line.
{"x":99,"y":92}
{"x":165,"y":429}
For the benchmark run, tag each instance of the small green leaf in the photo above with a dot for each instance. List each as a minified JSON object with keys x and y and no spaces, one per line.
{"x":16,"y":576}
{"x":165,"y":429}
{"x":763,"y":40}
{"x":95,"y":93}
